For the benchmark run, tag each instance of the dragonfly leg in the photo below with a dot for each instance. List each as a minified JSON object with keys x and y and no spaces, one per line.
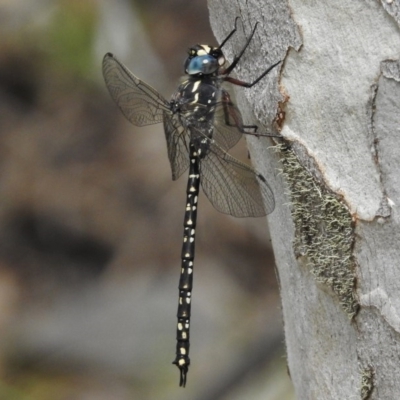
{"x":251,"y":84}
{"x":236,"y":59}
{"x":233,"y":118}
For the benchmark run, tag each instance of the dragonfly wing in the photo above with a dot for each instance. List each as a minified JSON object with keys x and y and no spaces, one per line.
{"x":233,"y":187}
{"x":228,"y":122}
{"x":177,"y":144}
{"x":228,"y":125}
{"x":139,"y":102}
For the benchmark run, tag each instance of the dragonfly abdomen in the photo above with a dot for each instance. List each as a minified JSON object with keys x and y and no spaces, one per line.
{"x":182,"y":360}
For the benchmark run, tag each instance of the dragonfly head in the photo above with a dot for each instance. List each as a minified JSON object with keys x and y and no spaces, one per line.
{"x":204,"y":60}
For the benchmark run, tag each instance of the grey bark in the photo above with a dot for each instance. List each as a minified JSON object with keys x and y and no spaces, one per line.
{"x":336,"y":226}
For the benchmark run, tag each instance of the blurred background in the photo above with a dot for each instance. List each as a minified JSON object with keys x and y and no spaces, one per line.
{"x":91,"y":223}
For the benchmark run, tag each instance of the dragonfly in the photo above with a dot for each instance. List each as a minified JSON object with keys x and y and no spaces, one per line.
{"x":201,"y":124}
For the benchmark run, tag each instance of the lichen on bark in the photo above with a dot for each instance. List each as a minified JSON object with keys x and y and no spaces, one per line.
{"x":324,"y":231}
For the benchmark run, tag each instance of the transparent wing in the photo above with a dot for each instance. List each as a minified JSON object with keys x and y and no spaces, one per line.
{"x":177,"y":144}
{"x":139,"y":102}
{"x":233,"y":187}
{"x":228,"y":125}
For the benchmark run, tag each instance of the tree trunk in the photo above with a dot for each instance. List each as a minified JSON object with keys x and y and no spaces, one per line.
{"x":335,"y":230}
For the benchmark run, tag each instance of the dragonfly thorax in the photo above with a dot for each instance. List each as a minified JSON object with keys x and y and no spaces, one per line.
{"x":204,"y":60}
{"x":195,"y":103}
{"x":198,"y":91}
{"x":196,"y":100}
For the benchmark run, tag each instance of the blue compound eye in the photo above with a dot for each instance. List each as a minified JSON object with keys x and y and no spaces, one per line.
{"x":201,"y":65}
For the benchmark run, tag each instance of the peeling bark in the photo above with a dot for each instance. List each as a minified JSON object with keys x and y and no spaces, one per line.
{"x":336,"y":227}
